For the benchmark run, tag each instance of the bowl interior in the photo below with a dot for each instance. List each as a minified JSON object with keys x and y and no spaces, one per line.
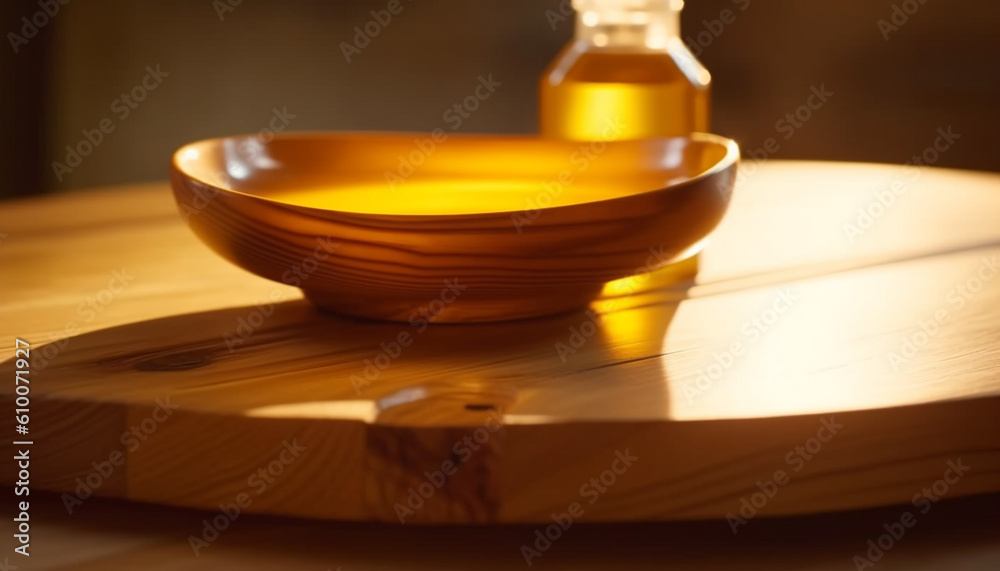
{"x":444,"y":174}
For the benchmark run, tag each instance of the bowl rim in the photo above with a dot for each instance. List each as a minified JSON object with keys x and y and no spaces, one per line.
{"x":728,"y":160}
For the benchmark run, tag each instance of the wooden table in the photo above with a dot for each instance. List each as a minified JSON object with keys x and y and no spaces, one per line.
{"x":798,"y":320}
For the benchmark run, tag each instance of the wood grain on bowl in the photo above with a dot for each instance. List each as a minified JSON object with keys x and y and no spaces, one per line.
{"x":484,"y":229}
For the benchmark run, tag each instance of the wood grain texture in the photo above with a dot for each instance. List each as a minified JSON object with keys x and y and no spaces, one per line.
{"x":633,"y":383}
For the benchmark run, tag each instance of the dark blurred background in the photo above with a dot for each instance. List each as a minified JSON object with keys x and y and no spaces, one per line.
{"x":231,"y":63}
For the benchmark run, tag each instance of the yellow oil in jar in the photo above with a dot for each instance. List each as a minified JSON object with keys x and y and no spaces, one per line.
{"x":625,"y":75}
{"x":591,"y":95}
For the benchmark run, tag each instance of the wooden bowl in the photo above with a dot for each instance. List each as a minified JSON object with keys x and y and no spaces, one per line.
{"x":452,"y":228}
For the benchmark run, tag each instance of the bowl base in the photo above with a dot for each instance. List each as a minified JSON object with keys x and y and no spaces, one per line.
{"x":417,"y":312}
{"x":468,"y":309}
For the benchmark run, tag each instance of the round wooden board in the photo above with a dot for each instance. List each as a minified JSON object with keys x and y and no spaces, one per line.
{"x":783,"y":370}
